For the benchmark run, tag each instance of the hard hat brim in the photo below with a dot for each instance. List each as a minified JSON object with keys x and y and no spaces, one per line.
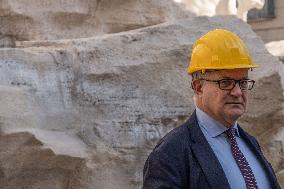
{"x":203,"y":69}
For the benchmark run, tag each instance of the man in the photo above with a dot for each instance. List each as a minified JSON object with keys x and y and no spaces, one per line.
{"x":210,"y":150}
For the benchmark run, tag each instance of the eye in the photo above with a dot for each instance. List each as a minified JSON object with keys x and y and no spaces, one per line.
{"x":244,"y":83}
{"x":226,"y":83}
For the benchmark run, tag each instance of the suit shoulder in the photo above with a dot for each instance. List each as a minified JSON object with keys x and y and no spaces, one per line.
{"x":177,"y":139}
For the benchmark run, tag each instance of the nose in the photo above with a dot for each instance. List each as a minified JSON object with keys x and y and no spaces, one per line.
{"x":236,"y":91}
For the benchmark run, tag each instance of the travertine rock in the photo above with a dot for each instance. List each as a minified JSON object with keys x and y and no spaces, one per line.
{"x":239,"y":8}
{"x":104,"y":102}
{"x":26,"y":164}
{"x":53,"y":19}
{"x":281,"y":178}
{"x":276,"y":48}
{"x":6,"y":41}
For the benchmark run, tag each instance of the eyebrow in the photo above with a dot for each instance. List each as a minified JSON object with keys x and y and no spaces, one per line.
{"x":226,"y":77}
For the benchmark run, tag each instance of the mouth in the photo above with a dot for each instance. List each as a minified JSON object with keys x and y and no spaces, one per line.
{"x":239,"y":103}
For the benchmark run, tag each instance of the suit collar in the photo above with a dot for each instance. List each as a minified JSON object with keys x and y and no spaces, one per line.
{"x":205,"y":156}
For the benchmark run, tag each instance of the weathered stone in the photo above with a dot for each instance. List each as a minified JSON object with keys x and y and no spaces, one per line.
{"x":281,"y":178}
{"x":51,"y":19}
{"x":276,"y":48}
{"x":26,"y":164}
{"x":6,"y":41}
{"x":112,"y":97}
{"x":239,"y":8}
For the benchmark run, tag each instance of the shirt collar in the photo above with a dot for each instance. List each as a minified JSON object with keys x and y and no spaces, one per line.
{"x":212,"y":126}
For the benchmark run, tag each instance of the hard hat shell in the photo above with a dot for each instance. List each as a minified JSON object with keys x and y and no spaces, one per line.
{"x":219,"y":49}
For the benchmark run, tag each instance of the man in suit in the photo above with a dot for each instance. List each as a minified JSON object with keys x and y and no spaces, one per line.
{"x":211,"y":150}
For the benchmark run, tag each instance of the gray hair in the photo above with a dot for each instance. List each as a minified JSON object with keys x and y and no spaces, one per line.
{"x":198,"y":75}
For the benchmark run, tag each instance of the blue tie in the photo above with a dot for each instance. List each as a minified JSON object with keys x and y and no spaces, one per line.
{"x":241,"y":160}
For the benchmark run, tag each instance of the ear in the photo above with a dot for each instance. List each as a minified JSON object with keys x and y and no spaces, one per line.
{"x":197,"y":86}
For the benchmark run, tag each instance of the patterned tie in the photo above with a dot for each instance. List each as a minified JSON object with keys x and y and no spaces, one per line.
{"x":241,"y":160}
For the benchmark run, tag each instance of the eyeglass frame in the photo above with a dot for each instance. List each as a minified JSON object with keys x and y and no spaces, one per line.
{"x":235,"y":82}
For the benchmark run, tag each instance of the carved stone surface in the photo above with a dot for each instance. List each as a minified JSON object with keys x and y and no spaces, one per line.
{"x":6,"y":41}
{"x":53,"y":19}
{"x":85,"y":113}
{"x":239,"y":8}
{"x":25,"y":164}
{"x":276,"y":48}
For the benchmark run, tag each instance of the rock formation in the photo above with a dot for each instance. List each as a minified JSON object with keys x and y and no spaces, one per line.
{"x":276,"y":48}
{"x":85,"y":113}
{"x":239,"y":8}
{"x":53,"y":19}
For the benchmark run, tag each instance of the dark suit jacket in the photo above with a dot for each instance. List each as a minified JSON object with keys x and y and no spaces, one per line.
{"x":183,"y":159}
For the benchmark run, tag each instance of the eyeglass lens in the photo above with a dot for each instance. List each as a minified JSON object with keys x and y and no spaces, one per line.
{"x":230,"y":84}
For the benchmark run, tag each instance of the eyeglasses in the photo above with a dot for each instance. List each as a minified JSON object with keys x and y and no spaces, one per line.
{"x":229,"y":84}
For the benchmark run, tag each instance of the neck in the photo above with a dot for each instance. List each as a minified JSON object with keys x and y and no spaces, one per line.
{"x":226,"y":123}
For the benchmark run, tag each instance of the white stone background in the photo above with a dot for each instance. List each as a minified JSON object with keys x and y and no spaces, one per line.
{"x":87,"y":88}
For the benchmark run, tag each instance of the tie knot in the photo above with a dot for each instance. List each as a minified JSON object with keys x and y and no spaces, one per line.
{"x":231,"y":132}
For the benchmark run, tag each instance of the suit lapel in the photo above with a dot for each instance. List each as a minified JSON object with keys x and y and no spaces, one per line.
{"x":206,"y":157}
{"x":257,"y":151}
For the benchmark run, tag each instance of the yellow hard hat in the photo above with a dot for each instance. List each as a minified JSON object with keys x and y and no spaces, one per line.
{"x":219,"y":49}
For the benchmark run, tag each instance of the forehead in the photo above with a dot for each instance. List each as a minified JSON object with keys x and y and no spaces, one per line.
{"x":233,"y":73}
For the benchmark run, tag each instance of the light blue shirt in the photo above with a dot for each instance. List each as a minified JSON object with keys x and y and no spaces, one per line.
{"x":214,"y":133}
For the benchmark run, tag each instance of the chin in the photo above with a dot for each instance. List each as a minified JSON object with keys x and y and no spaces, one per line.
{"x":235,"y":110}
{"x":235,"y":115}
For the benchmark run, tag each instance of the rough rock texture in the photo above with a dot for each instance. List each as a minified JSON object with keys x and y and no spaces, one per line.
{"x":6,"y":41}
{"x":239,"y":8}
{"x":25,"y":164}
{"x":53,"y":19}
{"x":281,"y":178}
{"x":276,"y":148}
{"x":101,"y":104}
{"x":276,"y":48}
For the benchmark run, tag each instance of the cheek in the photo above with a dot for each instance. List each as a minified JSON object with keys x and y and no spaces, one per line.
{"x":214,"y":98}
{"x":219,"y":100}
{"x":245,"y":99}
